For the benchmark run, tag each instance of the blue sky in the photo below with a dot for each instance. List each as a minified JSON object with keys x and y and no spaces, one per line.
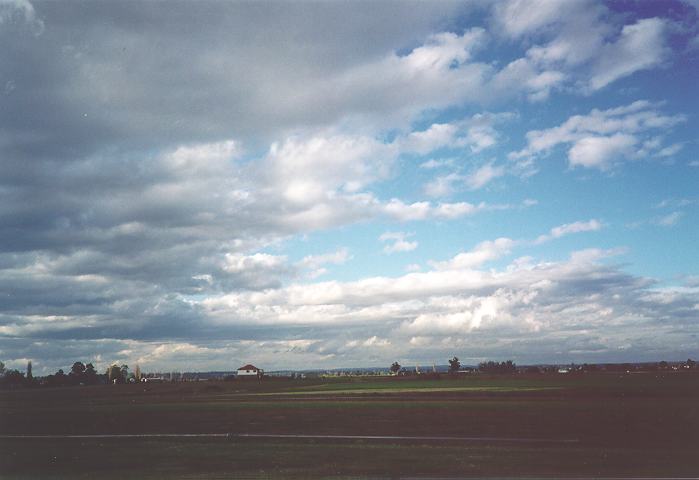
{"x":320,"y":185}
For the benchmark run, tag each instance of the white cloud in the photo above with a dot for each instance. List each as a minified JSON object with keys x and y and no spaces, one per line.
{"x":436,"y":136}
{"x":310,"y":169}
{"x":459,"y":209}
{"x":22,"y":11}
{"x":376,"y":342}
{"x":601,"y":152}
{"x":483,"y":175}
{"x":424,"y":210}
{"x":483,"y":252}
{"x":521,"y":17}
{"x":476,"y":133}
{"x":454,"y":304}
{"x":235,"y":262}
{"x":398,"y":242}
{"x":314,"y":263}
{"x":670,"y":150}
{"x":464,"y":316}
{"x":202,"y":158}
{"x":677,"y":202}
{"x":258,"y":270}
{"x":142,"y":217}
{"x":603,"y":137}
{"x":456,"y":299}
{"x":639,"y":47}
{"x":590,"y":256}
{"x":434,"y":163}
{"x":582,"y":42}
{"x":433,"y":75}
{"x":568,"y":228}
{"x":442,"y":186}
{"x":524,"y":75}
{"x":669,"y":220}
{"x":480,"y":137}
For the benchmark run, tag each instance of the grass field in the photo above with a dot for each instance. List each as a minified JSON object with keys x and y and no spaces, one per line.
{"x":591,"y":425}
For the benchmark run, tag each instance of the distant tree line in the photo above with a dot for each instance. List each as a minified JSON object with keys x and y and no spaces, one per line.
{"x":497,"y":367}
{"x":509,"y":367}
{"x":79,"y":374}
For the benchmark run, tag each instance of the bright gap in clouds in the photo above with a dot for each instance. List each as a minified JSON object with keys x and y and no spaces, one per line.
{"x":513,"y":180}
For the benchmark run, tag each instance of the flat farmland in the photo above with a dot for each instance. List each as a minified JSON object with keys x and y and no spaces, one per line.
{"x":540,"y":425}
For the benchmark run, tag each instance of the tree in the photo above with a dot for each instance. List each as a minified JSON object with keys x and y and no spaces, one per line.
{"x":395,"y":367}
{"x":76,"y":375}
{"x":454,"y":365}
{"x":495,"y":367}
{"x":57,"y":380}
{"x":114,"y":374}
{"x":2,"y":369}
{"x":77,"y":369}
{"x":13,"y":377}
{"x":30,"y":377}
{"x":90,"y":375}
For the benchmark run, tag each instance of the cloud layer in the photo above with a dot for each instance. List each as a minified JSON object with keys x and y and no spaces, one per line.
{"x":191,"y":186}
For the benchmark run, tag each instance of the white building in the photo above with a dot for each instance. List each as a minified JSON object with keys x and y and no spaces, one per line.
{"x":249,"y":371}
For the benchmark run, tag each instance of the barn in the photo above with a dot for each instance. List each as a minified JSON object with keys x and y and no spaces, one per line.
{"x":249,"y":371}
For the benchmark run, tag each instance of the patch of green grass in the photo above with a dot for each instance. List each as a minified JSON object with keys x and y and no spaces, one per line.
{"x":404,"y":389}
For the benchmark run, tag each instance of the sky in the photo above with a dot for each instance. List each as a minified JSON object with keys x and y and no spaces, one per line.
{"x":194,"y":186}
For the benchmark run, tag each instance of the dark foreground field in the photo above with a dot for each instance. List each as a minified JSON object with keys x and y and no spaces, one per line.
{"x":591,"y":425}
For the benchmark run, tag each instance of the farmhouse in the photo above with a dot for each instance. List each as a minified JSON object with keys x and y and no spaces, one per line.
{"x":249,"y":371}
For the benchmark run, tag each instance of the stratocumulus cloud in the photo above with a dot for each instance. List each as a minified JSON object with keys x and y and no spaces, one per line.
{"x":180,"y":191}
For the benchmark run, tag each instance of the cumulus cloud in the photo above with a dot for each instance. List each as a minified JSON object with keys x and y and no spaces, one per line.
{"x":423,"y":210}
{"x":520,"y":17}
{"x":147,"y":203}
{"x":442,"y":185}
{"x":602,"y":138}
{"x":453,"y":304}
{"x":639,"y":47}
{"x":475,"y":133}
{"x":435,"y":137}
{"x":568,"y":228}
{"x":478,"y":134}
{"x":483,"y":252}
{"x":397,"y":242}
{"x":600,"y":152}
{"x":433,"y":163}
{"x":436,"y":312}
{"x":315,"y":263}
{"x":580,"y":39}
{"x":484,"y":175}
{"x":307,"y":170}
{"x":524,"y":75}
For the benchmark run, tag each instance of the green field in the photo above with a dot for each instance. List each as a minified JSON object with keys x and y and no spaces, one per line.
{"x":542,"y":425}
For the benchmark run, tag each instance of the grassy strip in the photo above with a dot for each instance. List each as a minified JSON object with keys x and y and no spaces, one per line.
{"x":396,"y":390}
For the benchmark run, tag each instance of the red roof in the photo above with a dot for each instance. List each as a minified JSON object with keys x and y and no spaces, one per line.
{"x":248,"y":367}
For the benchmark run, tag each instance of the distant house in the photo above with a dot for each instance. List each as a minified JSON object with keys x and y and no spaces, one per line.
{"x":152,"y":379}
{"x":249,"y":371}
